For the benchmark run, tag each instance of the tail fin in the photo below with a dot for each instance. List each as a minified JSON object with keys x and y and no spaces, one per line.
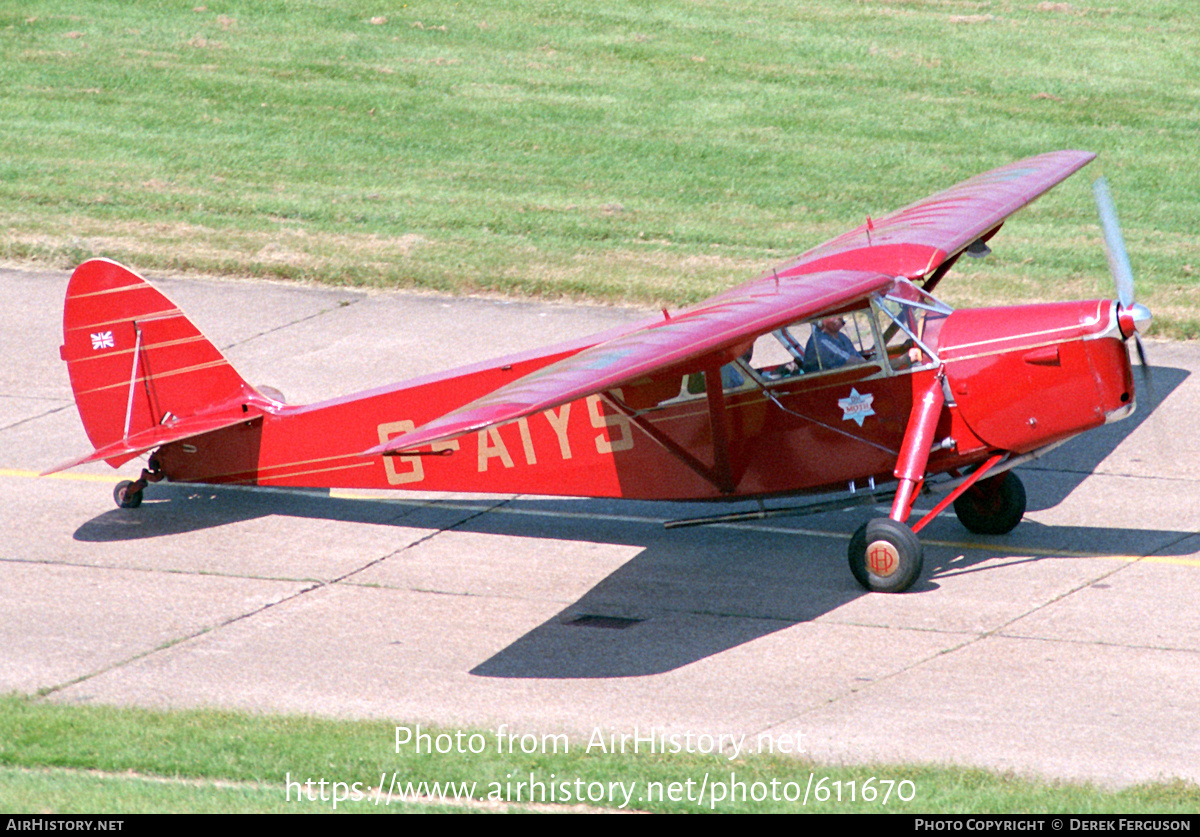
{"x":142,"y":374}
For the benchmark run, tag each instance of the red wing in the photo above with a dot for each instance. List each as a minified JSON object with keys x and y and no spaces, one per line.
{"x":915,"y":240}
{"x":715,"y":325}
{"x":910,"y":242}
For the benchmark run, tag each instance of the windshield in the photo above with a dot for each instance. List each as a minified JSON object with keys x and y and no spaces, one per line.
{"x":910,"y":321}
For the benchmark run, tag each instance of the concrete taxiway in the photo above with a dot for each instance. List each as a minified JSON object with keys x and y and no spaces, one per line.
{"x":1068,"y":649}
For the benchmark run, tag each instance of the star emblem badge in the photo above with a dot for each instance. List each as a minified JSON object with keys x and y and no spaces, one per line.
{"x":856,"y":406}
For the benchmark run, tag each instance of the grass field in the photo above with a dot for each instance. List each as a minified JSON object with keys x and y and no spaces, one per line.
{"x":87,"y":759}
{"x":625,"y":151}
{"x":634,"y":151}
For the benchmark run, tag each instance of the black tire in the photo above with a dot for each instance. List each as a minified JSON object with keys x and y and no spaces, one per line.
{"x":125,"y":498}
{"x":885,"y":556}
{"x":993,"y":506}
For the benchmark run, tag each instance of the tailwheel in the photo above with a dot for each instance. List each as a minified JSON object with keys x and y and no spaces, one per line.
{"x":993,"y":506}
{"x":885,"y":556}
{"x":127,"y":494}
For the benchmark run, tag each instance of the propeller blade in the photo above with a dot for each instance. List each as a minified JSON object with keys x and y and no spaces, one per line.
{"x":1114,"y":243}
{"x":1141,"y":353}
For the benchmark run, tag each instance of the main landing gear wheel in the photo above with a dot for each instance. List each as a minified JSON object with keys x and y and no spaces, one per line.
{"x":125,"y":497}
{"x":885,"y":556}
{"x":993,"y":506}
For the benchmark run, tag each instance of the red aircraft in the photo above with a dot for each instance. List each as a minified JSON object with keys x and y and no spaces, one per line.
{"x":837,"y":372}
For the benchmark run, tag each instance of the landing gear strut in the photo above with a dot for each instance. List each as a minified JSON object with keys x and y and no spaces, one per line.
{"x":128,"y":493}
{"x":885,"y":554}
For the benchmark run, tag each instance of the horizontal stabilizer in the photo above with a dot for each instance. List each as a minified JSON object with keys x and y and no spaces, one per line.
{"x":174,"y":431}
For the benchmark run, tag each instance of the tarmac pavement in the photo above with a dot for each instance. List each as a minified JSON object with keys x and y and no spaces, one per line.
{"x":1069,"y":648}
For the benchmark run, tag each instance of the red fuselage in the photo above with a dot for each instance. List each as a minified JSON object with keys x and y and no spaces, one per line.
{"x":1017,"y":379}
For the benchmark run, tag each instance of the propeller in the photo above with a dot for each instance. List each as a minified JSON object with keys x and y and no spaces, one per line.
{"x":1132,"y":316}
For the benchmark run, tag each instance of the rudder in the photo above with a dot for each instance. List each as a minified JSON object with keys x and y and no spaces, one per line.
{"x":135,"y":360}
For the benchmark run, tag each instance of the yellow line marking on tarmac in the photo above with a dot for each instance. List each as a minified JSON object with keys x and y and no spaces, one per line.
{"x":1165,"y":559}
{"x":339,"y":494}
{"x":13,"y":472}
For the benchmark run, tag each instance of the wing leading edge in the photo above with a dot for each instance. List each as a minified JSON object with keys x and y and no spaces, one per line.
{"x":916,"y":240}
{"x":715,"y":326}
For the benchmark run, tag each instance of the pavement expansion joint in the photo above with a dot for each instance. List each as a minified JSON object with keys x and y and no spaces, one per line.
{"x":968,"y":641}
{"x":38,"y":417}
{"x":1152,"y":556}
{"x":999,"y":630}
{"x":417,"y":542}
{"x":179,"y":640}
{"x":284,"y":326}
{"x":861,"y":685}
{"x":164,"y":570}
{"x":46,"y":691}
{"x":1098,"y":643}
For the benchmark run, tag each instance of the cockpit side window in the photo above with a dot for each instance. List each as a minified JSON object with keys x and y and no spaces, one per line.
{"x":815,"y":346}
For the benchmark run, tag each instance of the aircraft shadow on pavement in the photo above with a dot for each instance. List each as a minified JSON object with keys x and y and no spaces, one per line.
{"x":675,"y":604}
{"x":687,"y":594}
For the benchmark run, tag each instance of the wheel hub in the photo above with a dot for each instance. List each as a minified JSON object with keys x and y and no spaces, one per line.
{"x":883,"y":559}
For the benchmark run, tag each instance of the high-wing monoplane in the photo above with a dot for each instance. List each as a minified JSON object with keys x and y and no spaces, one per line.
{"x":838,"y":372}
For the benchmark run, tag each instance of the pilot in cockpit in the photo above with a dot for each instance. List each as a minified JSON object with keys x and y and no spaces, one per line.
{"x":829,"y":348}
